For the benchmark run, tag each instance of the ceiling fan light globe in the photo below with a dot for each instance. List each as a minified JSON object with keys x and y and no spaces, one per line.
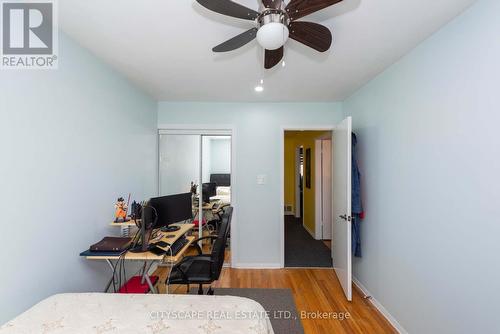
{"x":272,"y":36}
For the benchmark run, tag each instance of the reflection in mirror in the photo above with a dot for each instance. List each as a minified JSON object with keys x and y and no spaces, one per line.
{"x":179,"y":163}
{"x":216,"y":180}
{"x":200,"y":164}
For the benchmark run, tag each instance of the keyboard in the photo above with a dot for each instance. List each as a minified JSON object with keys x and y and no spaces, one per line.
{"x":178,"y":245}
{"x":175,"y":247}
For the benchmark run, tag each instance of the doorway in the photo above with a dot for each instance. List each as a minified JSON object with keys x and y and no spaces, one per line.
{"x":305,"y":197}
{"x":341,"y":184}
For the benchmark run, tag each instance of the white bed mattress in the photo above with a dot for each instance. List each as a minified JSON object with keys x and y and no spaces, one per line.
{"x":127,"y":313}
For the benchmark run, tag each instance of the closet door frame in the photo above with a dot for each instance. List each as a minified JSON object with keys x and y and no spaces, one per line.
{"x":206,"y":130}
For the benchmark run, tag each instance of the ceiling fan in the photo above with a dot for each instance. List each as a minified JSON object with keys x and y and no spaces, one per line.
{"x":274,"y":25}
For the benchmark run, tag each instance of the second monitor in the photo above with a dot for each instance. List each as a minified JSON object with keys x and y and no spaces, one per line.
{"x":208,"y":190}
{"x":172,"y":209}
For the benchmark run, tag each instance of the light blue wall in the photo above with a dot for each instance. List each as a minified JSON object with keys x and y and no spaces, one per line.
{"x":220,"y":151}
{"x":429,"y":151}
{"x":72,"y":140}
{"x":258,"y":128}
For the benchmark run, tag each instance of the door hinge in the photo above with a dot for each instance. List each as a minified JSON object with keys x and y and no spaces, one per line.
{"x":346,"y":217}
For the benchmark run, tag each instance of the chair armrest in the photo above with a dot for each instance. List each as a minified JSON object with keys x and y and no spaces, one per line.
{"x":206,"y":237}
{"x":198,"y":248}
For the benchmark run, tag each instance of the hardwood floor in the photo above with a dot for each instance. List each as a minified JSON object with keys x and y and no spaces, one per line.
{"x":314,"y":290}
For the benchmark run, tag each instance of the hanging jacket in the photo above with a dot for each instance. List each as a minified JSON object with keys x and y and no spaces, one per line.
{"x":357,"y":206}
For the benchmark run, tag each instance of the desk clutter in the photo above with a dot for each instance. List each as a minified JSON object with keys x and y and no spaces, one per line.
{"x":111,"y":244}
{"x":162,"y":236}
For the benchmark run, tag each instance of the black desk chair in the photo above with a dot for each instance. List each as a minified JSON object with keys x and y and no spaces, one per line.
{"x":217,"y":213}
{"x":204,"y":268}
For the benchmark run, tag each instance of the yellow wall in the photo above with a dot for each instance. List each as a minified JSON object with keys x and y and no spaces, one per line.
{"x":294,"y":139}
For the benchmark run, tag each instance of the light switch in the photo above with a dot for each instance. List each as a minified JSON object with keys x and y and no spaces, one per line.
{"x":261,"y":179}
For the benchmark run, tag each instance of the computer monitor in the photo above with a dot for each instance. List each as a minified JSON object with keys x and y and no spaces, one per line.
{"x":208,"y":190}
{"x":172,"y":209}
{"x":161,"y":212}
{"x":222,"y":180}
{"x":149,"y":218}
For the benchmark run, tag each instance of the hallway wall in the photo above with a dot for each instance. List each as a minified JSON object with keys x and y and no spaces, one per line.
{"x":306,"y":139}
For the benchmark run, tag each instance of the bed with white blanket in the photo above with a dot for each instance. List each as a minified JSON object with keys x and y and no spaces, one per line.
{"x":129,"y":313}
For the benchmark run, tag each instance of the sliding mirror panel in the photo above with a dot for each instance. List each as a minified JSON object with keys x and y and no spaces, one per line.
{"x":179,"y":158}
{"x":201,"y":159}
{"x":216,"y":180}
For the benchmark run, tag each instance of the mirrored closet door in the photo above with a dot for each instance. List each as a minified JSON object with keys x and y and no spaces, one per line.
{"x":198,"y":162}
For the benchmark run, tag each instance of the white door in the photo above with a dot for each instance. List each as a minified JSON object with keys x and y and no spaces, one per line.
{"x":326,"y":187}
{"x":341,"y":229}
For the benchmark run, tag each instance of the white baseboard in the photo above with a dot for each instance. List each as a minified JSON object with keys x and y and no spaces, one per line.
{"x":308,"y":230}
{"x":380,"y":307}
{"x":257,"y":266}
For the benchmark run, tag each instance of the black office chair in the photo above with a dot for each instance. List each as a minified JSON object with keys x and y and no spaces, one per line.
{"x":217,"y":214}
{"x":204,"y":268}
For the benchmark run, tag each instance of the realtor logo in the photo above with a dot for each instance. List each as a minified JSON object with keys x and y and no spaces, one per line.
{"x":29,"y":34}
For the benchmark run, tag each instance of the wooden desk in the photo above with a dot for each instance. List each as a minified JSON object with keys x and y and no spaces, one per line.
{"x":147,"y":256}
{"x":150,"y":258}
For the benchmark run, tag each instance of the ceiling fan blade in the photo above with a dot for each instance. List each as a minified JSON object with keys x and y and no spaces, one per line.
{"x":273,"y":57}
{"x":273,"y":4}
{"x":237,"y":41}
{"x":229,"y":8}
{"x":311,"y":34}
{"x":300,"y":8}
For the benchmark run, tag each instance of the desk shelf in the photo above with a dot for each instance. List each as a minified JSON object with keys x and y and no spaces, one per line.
{"x":125,"y":224}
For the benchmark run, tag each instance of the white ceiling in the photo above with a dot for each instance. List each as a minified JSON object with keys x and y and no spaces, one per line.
{"x":164,"y":46}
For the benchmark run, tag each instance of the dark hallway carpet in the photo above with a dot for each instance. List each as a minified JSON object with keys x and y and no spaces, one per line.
{"x":301,"y":249}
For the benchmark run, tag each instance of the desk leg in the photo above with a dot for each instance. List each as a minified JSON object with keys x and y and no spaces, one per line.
{"x":145,"y":276}
{"x":144,"y":272}
{"x":112,"y":279}
{"x":150,"y":284}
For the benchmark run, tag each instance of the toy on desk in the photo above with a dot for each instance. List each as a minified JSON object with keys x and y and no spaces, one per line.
{"x":121,"y":210}
{"x":194,"y":188}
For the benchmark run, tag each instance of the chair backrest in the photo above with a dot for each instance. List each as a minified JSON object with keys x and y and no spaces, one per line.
{"x":219,"y":247}
{"x":229,"y":212}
